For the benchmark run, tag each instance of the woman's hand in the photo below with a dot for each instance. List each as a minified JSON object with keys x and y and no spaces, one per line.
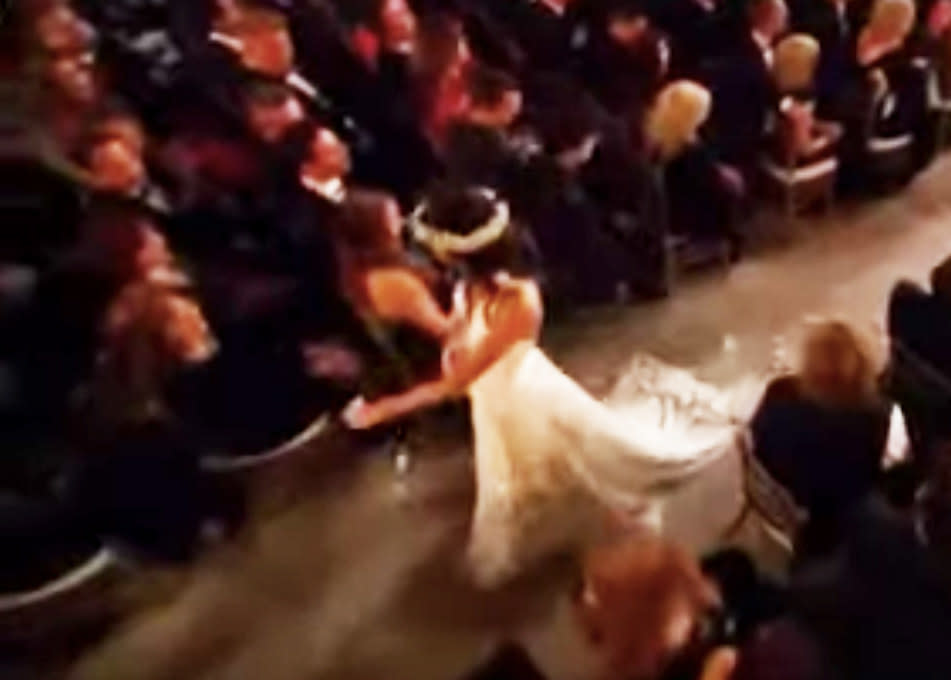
{"x":360,"y":415}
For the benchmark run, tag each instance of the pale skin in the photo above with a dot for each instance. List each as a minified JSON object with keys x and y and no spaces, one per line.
{"x":514,"y":314}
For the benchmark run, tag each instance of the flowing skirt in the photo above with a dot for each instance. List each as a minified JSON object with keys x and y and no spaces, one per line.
{"x":556,"y":468}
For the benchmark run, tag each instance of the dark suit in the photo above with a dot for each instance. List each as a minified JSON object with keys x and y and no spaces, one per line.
{"x":743,"y":94}
{"x":698,"y":35}
{"x":544,"y":36}
{"x":882,"y":610}
{"x":919,"y":324}
{"x":836,"y":35}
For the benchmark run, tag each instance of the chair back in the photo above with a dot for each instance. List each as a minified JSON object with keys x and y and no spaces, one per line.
{"x":72,"y":602}
{"x":771,"y":500}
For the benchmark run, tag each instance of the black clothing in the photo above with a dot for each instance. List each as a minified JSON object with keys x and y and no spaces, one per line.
{"x":828,"y":458}
{"x":883,"y":610}
{"x":143,"y":487}
{"x":699,"y":35}
{"x":919,"y":325}
{"x":624,"y":78}
{"x":483,"y":156}
{"x":710,"y":213}
{"x":742,"y":94}
{"x":836,"y":34}
{"x":547,"y":39}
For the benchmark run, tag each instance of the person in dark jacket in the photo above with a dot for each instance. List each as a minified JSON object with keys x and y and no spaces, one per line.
{"x":919,"y":325}
{"x":625,"y":61}
{"x":822,"y":432}
{"x":479,"y":147}
{"x":743,"y":90}
{"x":882,"y":608}
{"x":832,"y":23}
{"x":702,"y":194}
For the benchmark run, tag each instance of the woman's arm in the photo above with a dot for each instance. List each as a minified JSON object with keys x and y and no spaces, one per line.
{"x":516,"y":316}
{"x":400,"y":295}
{"x":361,"y":415}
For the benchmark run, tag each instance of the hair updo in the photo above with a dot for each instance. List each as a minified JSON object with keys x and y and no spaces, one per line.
{"x":463,"y":210}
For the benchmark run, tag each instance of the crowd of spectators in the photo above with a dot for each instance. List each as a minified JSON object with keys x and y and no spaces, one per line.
{"x":203,"y":243}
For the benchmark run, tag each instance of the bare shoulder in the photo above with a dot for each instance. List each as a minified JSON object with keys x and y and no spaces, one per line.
{"x":520,"y":291}
{"x":517,"y":297}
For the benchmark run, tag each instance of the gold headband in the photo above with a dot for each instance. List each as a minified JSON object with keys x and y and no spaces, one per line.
{"x":447,"y":243}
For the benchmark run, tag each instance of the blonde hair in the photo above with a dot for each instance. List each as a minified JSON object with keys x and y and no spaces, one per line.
{"x":892,"y":17}
{"x":839,"y":342}
{"x":796,"y":59}
{"x":677,"y":114}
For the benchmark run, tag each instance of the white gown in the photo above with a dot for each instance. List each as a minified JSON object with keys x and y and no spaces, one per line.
{"x":553,"y":464}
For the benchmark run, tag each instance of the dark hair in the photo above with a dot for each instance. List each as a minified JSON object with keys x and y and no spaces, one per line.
{"x":438,"y":38}
{"x":460,"y":209}
{"x":488,"y":86}
{"x":564,"y":114}
{"x":360,"y":225}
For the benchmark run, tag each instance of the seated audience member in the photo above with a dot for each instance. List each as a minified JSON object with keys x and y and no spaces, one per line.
{"x":137,"y":459}
{"x":583,"y":259}
{"x":440,"y":70}
{"x":389,"y":292}
{"x":743,"y":85}
{"x":480,"y":148}
{"x":702,"y":194}
{"x":798,"y":139}
{"x":889,"y":100}
{"x":305,"y":208}
{"x":140,"y":55}
{"x":546,"y":32}
{"x":272,"y":113}
{"x":881,"y":608}
{"x":698,"y":30}
{"x":625,"y":62}
{"x":258,"y":44}
{"x":374,"y":84}
{"x":834,"y":25}
{"x":72,"y":295}
{"x":151,"y":332}
{"x":821,"y":433}
{"x":72,"y":94}
{"x":59,"y":29}
{"x":919,"y":324}
{"x":326,"y":166}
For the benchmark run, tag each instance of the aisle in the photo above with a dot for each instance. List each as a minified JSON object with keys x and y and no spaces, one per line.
{"x":364,"y":581}
{"x":843,"y":264}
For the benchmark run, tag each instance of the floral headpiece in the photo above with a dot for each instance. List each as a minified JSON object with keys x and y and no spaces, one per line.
{"x":441,"y":242}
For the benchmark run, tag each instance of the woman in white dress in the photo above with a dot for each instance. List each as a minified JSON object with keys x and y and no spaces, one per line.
{"x":554,"y":467}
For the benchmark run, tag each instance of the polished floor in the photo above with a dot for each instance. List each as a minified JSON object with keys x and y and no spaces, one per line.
{"x":362,"y":576}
